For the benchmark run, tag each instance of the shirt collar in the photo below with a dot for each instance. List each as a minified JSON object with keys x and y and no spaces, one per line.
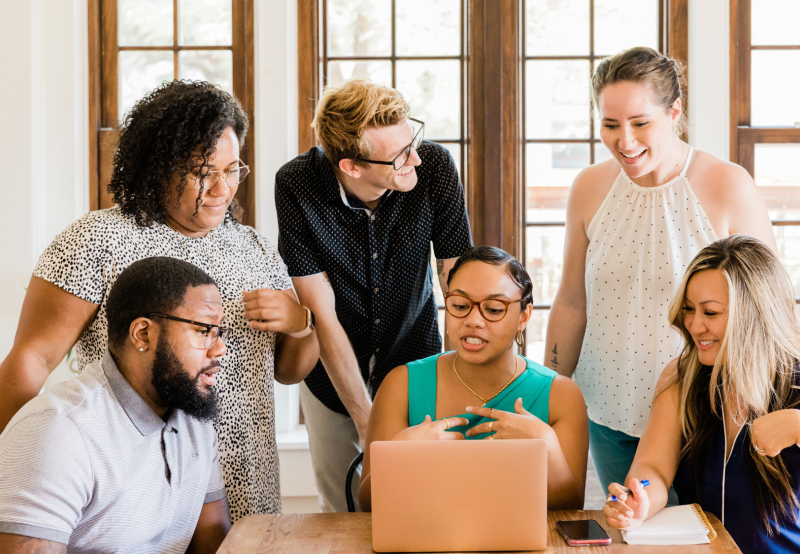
{"x":141,"y":415}
{"x":354,"y":203}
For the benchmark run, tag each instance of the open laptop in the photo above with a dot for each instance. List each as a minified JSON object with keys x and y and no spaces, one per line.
{"x":444,"y":496}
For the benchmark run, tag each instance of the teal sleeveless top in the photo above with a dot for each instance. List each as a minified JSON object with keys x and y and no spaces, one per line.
{"x":532,"y":385}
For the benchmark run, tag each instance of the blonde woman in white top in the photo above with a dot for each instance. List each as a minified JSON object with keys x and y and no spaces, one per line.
{"x":634,"y":223}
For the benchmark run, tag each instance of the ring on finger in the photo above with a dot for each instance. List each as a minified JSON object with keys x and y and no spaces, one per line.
{"x":491,"y":411}
{"x":446,"y":422}
{"x":491,"y":423}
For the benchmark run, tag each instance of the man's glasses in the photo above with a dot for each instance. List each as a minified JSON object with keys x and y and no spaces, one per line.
{"x":232,"y":177}
{"x":401,"y":159}
{"x":492,"y":309}
{"x":210,"y":331}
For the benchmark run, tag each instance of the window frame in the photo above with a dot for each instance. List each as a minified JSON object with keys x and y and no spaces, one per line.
{"x":104,"y":94}
{"x":744,"y":137}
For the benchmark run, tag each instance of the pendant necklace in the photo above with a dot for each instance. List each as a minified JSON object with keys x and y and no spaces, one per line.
{"x":484,"y":402}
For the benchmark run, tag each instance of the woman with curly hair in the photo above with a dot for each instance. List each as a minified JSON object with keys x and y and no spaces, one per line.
{"x":175,"y":175}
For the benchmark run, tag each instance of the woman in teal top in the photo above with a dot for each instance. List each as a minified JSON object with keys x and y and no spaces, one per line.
{"x":482,"y":389}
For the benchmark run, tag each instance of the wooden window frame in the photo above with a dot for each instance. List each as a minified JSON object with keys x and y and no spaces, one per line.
{"x":104,"y":99}
{"x":744,"y":137}
{"x":494,"y":172}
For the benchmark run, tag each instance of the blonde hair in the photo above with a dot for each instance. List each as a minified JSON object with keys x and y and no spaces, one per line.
{"x":662,"y":74}
{"x":756,"y":370}
{"x":345,"y":112}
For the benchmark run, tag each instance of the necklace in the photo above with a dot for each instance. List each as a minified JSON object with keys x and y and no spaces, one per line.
{"x":669,"y":174}
{"x":475,"y":393}
{"x":191,"y":259}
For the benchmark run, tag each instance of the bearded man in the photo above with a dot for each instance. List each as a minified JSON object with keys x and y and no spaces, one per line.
{"x":123,"y":457}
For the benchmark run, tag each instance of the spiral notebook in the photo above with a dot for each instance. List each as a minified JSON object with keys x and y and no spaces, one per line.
{"x":673,"y":526}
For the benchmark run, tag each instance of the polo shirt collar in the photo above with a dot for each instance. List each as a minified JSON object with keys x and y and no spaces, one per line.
{"x":354,"y":203}
{"x":141,"y":415}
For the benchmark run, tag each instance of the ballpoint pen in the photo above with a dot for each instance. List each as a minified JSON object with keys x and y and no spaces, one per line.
{"x":626,"y":490}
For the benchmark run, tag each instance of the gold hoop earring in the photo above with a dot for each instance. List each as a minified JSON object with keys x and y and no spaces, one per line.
{"x":520,"y":339}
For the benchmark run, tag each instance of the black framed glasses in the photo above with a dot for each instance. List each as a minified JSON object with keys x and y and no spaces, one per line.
{"x":401,"y":159}
{"x":210,"y":333}
{"x":492,"y":309}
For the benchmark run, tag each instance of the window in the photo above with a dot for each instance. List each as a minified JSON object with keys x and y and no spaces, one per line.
{"x":526,"y":127}
{"x":765,"y":116}
{"x":562,"y":43}
{"x":135,"y":45}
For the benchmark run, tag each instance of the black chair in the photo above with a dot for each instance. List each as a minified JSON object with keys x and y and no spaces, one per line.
{"x":348,"y":482}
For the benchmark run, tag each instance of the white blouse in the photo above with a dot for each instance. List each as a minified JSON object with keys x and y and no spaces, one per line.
{"x":85,"y":260}
{"x":640,"y":242}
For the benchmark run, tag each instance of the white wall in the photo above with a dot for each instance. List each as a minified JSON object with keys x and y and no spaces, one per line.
{"x":709,"y":76}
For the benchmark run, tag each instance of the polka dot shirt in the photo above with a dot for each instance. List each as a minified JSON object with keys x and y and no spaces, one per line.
{"x":378,"y":262}
{"x":85,"y":260}
{"x":640,"y":242}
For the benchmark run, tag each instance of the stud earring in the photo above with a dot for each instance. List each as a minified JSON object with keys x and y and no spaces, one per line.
{"x":141,"y":349}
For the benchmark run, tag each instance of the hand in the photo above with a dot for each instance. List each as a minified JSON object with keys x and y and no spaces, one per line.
{"x":507,"y":425}
{"x":432,"y":430}
{"x":775,"y":431}
{"x":274,"y":310}
{"x":627,"y":513}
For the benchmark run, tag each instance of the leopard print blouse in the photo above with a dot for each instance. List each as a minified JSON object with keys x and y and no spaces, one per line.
{"x":87,"y":257}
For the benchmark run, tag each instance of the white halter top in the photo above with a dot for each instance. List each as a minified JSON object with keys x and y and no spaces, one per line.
{"x":640,"y":242}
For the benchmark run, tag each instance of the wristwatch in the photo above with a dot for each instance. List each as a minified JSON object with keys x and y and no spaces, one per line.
{"x":310,"y":320}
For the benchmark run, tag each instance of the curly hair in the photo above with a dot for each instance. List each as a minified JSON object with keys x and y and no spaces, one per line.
{"x":160,"y":137}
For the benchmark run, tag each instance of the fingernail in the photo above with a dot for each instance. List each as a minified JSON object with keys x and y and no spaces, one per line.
{"x":629,"y":514}
{"x":620,"y":516}
{"x":623,"y":497}
{"x":469,"y":408}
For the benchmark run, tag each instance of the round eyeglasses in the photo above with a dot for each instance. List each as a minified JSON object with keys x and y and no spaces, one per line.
{"x":401,"y":159}
{"x":210,"y":332}
{"x":232,"y":177}
{"x":492,"y":309}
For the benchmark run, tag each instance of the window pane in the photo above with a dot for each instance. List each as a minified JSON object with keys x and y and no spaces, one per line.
{"x":557,"y":28}
{"x":774,"y":84}
{"x":214,"y":66}
{"x":550,"y":170}
{"x":601,"y":153}
{"x":788,"y":239}
{"x":144,"y":22}
{"x":557,"y":99}
{"x":433,"y":90}
{"x":359,"y":27}
{"x":205,"y":22}
{"x":774,"y":22}
{"x":341,"y":71}
{"x":621,"y":24}
{"x":428,"y":27}
{"x":535,"y":334}
{"x":777,"y":169}
{"x":455,"y":151}
{"x":141,"y":72}
{"x":544,"y":254}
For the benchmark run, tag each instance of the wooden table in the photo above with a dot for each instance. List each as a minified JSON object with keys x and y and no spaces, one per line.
{"x":345,"y":533}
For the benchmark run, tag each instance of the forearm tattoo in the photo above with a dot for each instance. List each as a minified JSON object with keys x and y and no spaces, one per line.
{"x":554,"y":361}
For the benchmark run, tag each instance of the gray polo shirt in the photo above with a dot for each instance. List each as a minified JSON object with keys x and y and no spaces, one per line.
{"x":90,"y":464}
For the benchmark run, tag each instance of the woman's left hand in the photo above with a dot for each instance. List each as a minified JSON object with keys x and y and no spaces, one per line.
{"x":507,"y":425}
{"x":775,"y":431}
{"x":274,"y":310}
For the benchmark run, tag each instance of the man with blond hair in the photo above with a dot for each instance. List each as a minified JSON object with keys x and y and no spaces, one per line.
{"x":357,"y":217}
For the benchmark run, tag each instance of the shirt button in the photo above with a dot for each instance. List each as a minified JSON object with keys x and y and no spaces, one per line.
{"x":372,"y":218}
{"x":377,"y":289}
{"x":377,"y":322}
{"x":377,"y":350}
{"x":375,"y":255}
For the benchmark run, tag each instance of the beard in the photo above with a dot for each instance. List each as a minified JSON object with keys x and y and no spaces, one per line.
{"x":177,"y":389}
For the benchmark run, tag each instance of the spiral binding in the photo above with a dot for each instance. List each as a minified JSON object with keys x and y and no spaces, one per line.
{"x":701,"y":515}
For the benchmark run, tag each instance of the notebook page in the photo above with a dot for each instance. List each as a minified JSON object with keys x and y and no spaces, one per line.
{"x":678,"y":522}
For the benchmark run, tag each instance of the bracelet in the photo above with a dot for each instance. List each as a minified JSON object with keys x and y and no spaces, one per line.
{"x":307,"y":330}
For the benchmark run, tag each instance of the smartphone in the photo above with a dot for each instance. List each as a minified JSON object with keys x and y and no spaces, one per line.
{"x":582,"y":532}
